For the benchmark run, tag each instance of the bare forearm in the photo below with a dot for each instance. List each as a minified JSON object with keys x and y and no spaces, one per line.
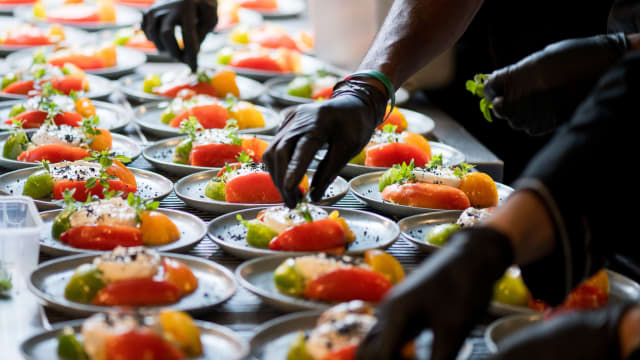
{"x":415,"y":32}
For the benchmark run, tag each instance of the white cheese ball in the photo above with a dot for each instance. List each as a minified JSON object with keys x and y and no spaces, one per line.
{"x":115,"y":211}
{"x":280,"y":218}
{"x":128,"y":263}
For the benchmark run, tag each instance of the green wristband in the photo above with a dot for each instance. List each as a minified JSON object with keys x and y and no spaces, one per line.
{"x":383,"y":79}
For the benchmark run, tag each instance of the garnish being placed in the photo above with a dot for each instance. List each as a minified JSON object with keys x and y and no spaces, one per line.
{"x":213,"y":113}
{"x":389,"y":147}
{"x":186,"y":84}
{"x":216,"y":147}
{"x":131,"y":276}
{"x":279,"y":60}
{"x":56,"y":143}
{"x":305,"y":228}
{"x":438,"y":187}
{"x":246,"y":182}
{"x":333,"y":278}
{"x":86,"y":178}
{"x":476,"y":87}
{"x":52,"y":106}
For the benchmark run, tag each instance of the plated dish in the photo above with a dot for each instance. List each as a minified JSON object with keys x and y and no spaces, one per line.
{"x":248,"y":233}
{"x":18,"y":35}
{"x":193,"y":190}
{"x":87,"y":15}
{"x":231,"y":14}
{"x":273,"y":36}
{"x":150,"y":116}
{"x":106,"y":60}
{"x":170,"y":329}
{"x":222,"y":82}
{"x":315,"y":282}
{"x":85,"y":284}
{"x":274,"y":8}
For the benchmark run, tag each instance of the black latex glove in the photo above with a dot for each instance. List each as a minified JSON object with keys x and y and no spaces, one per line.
{"x":345,"y":123}
{"x":542,"y":90}
{"x":449,"y":293}
{"x":580,"y":335}
{"x":196,"y":18}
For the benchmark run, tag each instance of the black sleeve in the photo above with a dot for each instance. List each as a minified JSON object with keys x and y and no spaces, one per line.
{"x":584,"y":176}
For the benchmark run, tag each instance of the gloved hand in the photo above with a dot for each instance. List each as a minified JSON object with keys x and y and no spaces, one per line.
{"x":580,"y":335}
{"x":542,"y":90}
{"x":449,"y":293}
{"x":345,"y":122}
{"x":196,"y":18}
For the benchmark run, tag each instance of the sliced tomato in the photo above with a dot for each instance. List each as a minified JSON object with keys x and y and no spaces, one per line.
{"x":255,"y":148}
{"x":345,"y":353}
{"x":214,"y":155}
{"x":348,"y":284}
{"x":259,"y":4}
{"x":125,"y":175}
{"x":198,"y":88}
{"x":180,"y":275}
{"x":35,"y":118}
{"x":425,"y":195}
{"x":212,"y":116}
{"x":312,"y":236}
{"x":323,"y":93}
{"x":30,"y":36}
{"x":252,"y":188}
{"x":387,"y":155}
{"x":21,"y":87}
{"x":74,"y":13}
{"x":139,"y":41}
{"x":138,"y":344}
{"x":102,"y":237}
{"x":253,"y":60}
{"x":272,"y":39}
{"x":138,"y":292}
{"x":83,"y":61}
{"x":65,"y":84}
{"x":54,"y":153}
{"x":82,"y":192}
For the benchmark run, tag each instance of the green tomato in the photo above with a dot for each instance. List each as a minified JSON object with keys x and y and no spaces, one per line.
{"x":17,"y":109}
{"x":167,"y":116}
{"x":287,"y":279}
{"x":84,"y":284}
{"x":215,"y":190}
{"x":511,"y":290}
{"x":39,"y":185}
{"x":61,"y":223}
{"x":15,"y":145}
{"x":298,"y":349}
{"x":300,"y":87}
{"x":359,"y":159}
{"x":439,"y":234}
{"x":182,"y":152}
{"x":69,"y":348}
{"x":122,"y":36}
{"x":151,"y":81}
{"x":9,"y":79}
{"x":224,"y":56}
{"x":258,"y":234}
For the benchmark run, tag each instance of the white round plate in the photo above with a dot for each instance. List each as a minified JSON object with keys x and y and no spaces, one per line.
{"x":286,"y":8}
{"x":215,"y":285}
{"x":246,"y":17}
{"x":122,"y":145}
{"x":127,"y":61}
{"x":125,"y":16}
{"x":372,"y":232}
{"x":414,"y":228}
{"x":112,"y":117}
{"x":365,"y":188}
{"x":190,"y":189}
{"x":192,"y":230}
{"x":148,"y":117}
{"x":150,"y":185}
{"x":160,"y":155}
{"x":250,"y":90}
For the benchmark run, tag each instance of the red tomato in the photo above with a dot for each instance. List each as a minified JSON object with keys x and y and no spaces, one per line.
{"x":85,"y":62}
{"x":345,"y":353}
{"x":348,"y":284}
{"x":17,"y":1}
{"x":425,"y":195}
{"x":179,"y":275}
{"x":102,"y":237}
{"x":54,"y":153}
{"x":27,"y":36}
{"x":272,"y":39}
{"x":259,"y":4}
{"x":198,"y":88}
{"x":252,"y":60}
{"x":138,"y":292}
{"x":313,"y":236}
{"x":324,"y":93}
{"x":74,"y":13}
{"x":214,"y":155}
{"x":387,"y":155}
{"x":35,"y":118}
{"x":82,"y":192}
{"x":252,"y":188}
{"x":140,"y":344}
{"x":211,"y":116}
{"x":65,"y":84}
{"x":19,"y":87}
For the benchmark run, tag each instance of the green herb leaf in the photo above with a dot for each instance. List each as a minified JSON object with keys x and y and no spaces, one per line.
{"x":476,"y":87}
{"x":244,"y":158}
{"x":390,"y":128}
{"x":462,"y":170}
{"x":436,"y":161}
{"x":191,"y":127}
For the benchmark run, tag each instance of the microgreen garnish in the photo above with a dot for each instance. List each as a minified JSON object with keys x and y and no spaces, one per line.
{"x":389,"y":128}
{"x":105,"y":159}
{"x":39,"y":58}
{"x":231,"y":127}
{"x":244,"y":158}
{"x":476,"y":87}
{"x":74,"y":95}
{"x":89,"y":127}
{"x":462,"y":170}
{"x":203,"y":77}
{"x":398,"y":174}
{"x":141,"y":205}
{"x":45,"y":165}
{"x":230,"y":102}
{"x":303,"y":209}
{"x":191,"y":127}
{"x":5,"y":279}
{"x":436,"y":161}
{"x":39,"y":73}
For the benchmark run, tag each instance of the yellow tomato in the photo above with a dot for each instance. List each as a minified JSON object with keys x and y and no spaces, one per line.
{"x":481,"y":189}
{"x":85,"y":107}
{"x":180,"y":328}
{"x":247,"y":115}
{"x":385,"y":264}
{"x":158,"y":229}
{"x":349,"y":236}
{"x":39,"y":10}
{"x":102,"y":141}
{"x":108,"y":54}
{"x":106,"y":11}
{"x":418,"y":141}
{"x":224,"y":82}
{"x":56,"y":32}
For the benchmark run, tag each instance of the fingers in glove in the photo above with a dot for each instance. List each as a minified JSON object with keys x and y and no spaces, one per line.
{"x":276,"y":159}
{"x":303,"y":154}
{"x":207,"y":20}
{"x":445,"y":345}
{"x":389,"y":335}
{"x":328,"y":169}
{"x":168,"y":35}
{"x":189,"y":17}
{"x":151,"y":26}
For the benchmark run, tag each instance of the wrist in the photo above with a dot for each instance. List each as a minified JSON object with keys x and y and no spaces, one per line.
{"x":629,"y":332}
